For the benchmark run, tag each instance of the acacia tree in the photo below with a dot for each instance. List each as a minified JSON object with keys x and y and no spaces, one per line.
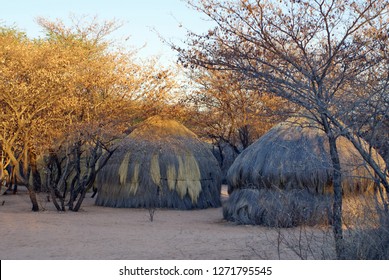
{"x":26,"y":101}
{"x":228,"y":111}
{"x":111,"y":92}
{"x":327,"y":56}
{"x":224,"y":111}
{"x":65,"y":98}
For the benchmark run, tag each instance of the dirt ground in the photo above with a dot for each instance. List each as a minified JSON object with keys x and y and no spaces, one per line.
{"x":128,"y":234}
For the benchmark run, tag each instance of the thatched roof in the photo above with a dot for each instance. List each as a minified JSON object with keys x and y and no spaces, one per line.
{"x":295,"y":154}
{"x":160,"y":164}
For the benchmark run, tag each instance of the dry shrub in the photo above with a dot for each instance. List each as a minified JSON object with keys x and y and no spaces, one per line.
{"x":367,"y":229}
{"x":366,"y":233}
{"x":367,"y":243}
{"x":366,"y":224}
{"x":362,"y":210}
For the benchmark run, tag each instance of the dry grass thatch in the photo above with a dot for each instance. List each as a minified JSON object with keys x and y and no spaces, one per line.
{"x":295,"y":154}
{"x":285,"y":178}
{"x":160,"y":164}
{"x":277,"y":208}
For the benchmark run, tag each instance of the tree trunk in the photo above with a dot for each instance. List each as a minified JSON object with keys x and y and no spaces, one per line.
{"x":337,"y":189}
{"x":52,"y":191}
{"x":80,"y":199}
{"x":86,"y":182}
{"x":21,"y":176}
{"x":337,"y":203}
{"x":36,"y":177}
{"x":34,"y":201}
{"x":72,"y":193}
{"x":244,"y":136}
{"x":74,"y":186}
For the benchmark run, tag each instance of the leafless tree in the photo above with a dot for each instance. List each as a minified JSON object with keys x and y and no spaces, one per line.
{"x":328,"y":56}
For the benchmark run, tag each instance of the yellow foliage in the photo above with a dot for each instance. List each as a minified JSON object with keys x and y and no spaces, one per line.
{"x":71,"y":86}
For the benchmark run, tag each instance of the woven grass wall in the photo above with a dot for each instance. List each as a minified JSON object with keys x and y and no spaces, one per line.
{"x":160,"y":164}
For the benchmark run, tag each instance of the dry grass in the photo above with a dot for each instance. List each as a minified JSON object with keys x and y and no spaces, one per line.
{"x":366,"y":226}
{"x":367,"y":243}
{"x":365,"y":237}
{"x":277,"y":208}
{"x":160,"y":164}
{"x":295,"y":154}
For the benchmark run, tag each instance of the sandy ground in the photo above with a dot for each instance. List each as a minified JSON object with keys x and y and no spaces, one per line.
{"x":128,"y":234}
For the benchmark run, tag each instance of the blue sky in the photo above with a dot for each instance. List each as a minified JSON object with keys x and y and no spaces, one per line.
{"x":139,"y":17}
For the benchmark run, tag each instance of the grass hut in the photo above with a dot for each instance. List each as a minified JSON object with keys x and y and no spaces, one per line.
{"x":285,"y":177}
{"x":160,"y":164}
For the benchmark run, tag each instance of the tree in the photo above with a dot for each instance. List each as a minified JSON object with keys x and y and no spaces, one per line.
{"x":111,"y":91}
{"x":326,"y":56}
{"x":66,"y":98}
{"x":232,"y":113}
{"x":229,"y":114}
{"x":26,"y":101}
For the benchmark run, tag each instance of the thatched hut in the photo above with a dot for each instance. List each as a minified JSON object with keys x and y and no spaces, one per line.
{"x":291,"y":166}
{"x":160,"y":164}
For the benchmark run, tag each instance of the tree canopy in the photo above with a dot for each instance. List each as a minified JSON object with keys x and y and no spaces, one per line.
{"x":70,"y":88}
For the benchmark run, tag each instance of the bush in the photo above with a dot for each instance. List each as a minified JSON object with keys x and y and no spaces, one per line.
{"x":367,"y":244}
{"x":367,"y":229}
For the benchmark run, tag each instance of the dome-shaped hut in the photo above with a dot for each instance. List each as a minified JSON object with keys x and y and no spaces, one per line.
{"x":160,"y":164}
{"x":289,"y":169}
